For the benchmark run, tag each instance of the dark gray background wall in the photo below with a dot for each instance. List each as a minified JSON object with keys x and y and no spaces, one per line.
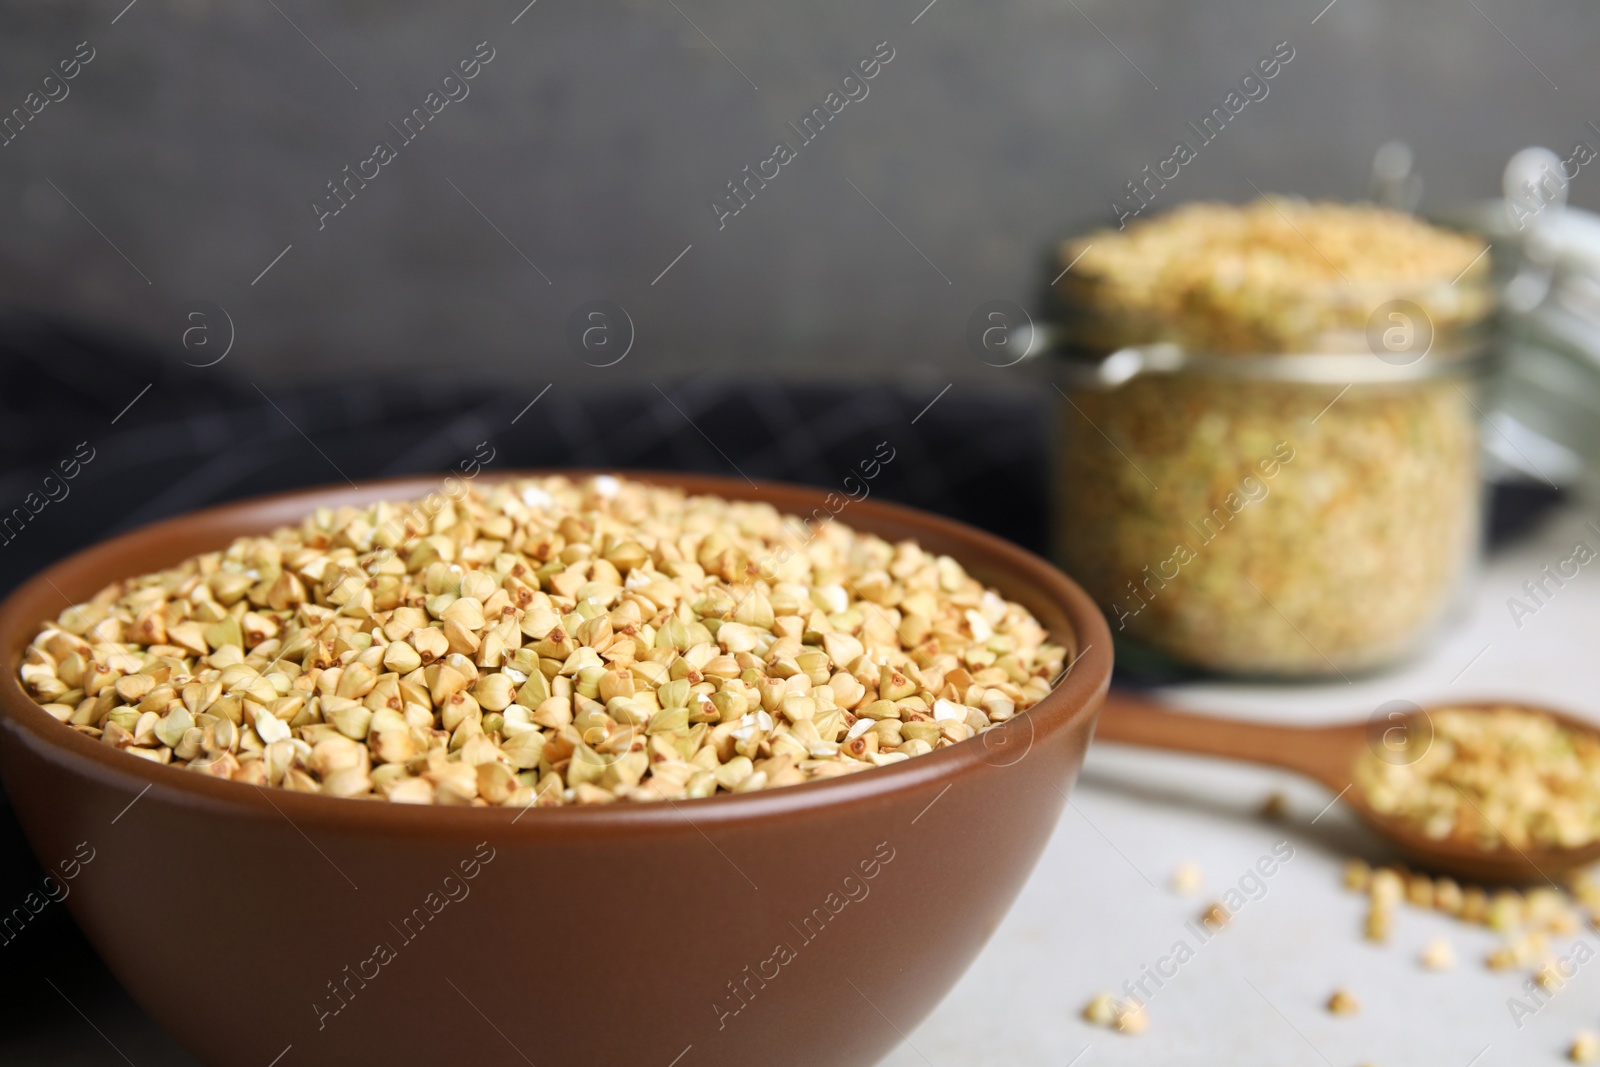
{"x":589,"y":149}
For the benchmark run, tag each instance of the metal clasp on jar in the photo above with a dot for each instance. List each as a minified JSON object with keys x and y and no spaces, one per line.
{"x":1331,"y":368}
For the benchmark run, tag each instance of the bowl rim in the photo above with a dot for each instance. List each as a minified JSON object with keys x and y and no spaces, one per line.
{"x":1074,"y":698}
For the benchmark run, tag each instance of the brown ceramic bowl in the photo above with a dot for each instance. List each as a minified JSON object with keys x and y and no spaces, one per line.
{"x":794,"y":928}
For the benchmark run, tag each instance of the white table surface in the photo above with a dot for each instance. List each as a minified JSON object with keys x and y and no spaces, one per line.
{"x":1098,"y":906}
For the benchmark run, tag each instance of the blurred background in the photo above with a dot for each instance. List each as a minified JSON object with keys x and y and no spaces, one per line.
{"x":163,"y":227}
{"x":192,"y":147}
{"x":178,"y":291}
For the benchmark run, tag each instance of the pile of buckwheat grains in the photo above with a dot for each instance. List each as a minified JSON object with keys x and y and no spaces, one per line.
{"x":543,"y":642}
{"x":1278,"y":274}
{"x":1501,"y":777}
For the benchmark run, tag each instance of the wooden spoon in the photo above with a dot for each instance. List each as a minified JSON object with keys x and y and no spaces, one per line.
{"x":1328,"y":754}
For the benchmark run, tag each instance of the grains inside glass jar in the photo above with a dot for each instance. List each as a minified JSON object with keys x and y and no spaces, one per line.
{"x":1274,"y":275}
{"x":1236,"y":511}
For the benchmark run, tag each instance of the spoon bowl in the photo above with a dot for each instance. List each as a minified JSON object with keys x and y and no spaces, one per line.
{"x":1329,"y":755}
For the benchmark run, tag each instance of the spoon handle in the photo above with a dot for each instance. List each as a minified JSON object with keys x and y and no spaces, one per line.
{"x":1324,"y":753}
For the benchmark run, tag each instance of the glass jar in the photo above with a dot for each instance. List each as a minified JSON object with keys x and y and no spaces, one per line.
{"x":1279,"y":515}
{"x":1269,"y":459}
